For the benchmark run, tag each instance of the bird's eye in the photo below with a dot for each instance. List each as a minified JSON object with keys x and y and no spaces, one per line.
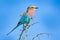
{"x":32,"y":7}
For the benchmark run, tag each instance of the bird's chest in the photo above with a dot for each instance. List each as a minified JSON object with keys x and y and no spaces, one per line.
{"x":27,"y":20}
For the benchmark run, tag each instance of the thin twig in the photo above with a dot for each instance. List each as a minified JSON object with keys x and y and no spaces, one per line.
{"x":31,"y":24}
{"x":39,"y":34}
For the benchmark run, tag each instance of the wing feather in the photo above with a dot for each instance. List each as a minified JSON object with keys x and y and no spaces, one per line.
{"x":23,"y":14}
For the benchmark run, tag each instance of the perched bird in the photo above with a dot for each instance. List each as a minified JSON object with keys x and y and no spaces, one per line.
{"x":26,"y":17}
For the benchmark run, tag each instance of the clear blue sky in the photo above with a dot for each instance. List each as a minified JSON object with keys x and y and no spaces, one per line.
{"x":48,"y":15}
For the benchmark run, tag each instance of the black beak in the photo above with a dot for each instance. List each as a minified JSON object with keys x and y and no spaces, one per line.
{"x":36,"y":8}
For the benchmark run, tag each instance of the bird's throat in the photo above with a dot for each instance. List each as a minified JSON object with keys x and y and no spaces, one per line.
{"x":31,"y":13}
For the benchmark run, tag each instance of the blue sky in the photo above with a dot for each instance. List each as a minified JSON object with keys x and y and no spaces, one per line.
{"x":48,"y":15}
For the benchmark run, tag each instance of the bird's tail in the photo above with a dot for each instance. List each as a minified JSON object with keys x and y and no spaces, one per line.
{"x":14,"y":28}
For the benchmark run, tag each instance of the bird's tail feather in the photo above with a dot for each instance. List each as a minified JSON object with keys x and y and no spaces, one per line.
{"x":14,"y":28}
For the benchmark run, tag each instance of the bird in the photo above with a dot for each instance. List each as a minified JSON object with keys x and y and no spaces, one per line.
{"x":25,"y":17}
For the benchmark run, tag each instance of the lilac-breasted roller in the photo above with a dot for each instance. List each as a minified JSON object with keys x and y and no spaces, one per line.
{"x":26,"y":17}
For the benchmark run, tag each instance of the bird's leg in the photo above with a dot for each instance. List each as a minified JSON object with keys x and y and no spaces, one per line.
{"x":28,"y":25}
{"x":26,"y":29}
{"x":23,"y":26}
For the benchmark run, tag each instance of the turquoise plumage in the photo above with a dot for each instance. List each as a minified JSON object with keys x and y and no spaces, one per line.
{"x":26,"y":17}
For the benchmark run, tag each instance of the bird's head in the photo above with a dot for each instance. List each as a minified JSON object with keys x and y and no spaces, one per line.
{"x":31,"y":10}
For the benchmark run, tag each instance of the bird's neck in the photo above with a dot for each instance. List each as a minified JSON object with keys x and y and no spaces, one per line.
{"x":31,"y":13}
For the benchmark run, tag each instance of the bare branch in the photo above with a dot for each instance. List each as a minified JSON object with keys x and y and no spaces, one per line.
{"x":31,"y":24}
{"x":40,"y":34}
{"x":24,"y":28}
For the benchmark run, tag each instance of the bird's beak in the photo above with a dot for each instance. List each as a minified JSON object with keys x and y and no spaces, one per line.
{"x":36,"y":7}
